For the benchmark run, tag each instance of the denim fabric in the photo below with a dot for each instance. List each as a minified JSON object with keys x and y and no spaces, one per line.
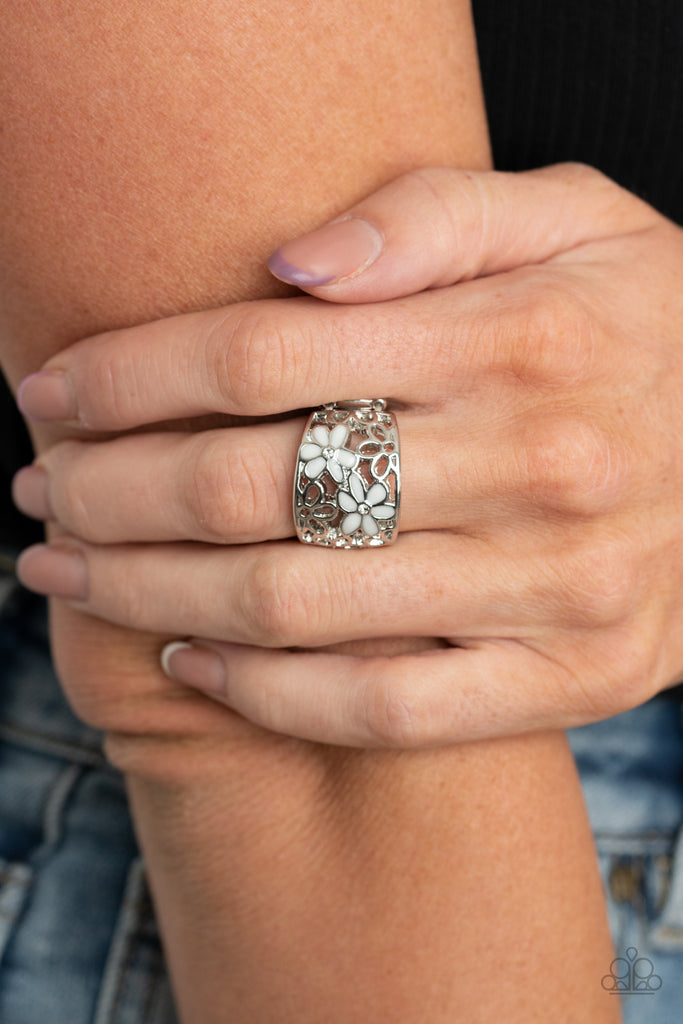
{"x":78,"y":938}
{"x":631,"y":768}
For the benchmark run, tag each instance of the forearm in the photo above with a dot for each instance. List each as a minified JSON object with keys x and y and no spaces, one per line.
{"x":152,"y":171}
{"x":152,"y":158}
{"x":448,"y":886}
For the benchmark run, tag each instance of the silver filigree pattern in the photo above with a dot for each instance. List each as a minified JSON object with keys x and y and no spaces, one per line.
{"x":347,"y":481}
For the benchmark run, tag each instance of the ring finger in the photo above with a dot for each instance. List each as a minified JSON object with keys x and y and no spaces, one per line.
{"x":234,"y":486}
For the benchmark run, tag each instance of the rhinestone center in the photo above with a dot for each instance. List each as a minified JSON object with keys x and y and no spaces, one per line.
{"x":364,"y":508}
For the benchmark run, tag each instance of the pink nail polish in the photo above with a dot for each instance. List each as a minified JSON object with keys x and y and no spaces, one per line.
{"x":56,"y":570}
{"x":337,"y":251}
{"x":194,"y":666}
{"x":47,"y":395}
{"x":30,"y":492}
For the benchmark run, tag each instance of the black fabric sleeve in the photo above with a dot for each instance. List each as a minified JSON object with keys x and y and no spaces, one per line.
{"x":599,"y":81}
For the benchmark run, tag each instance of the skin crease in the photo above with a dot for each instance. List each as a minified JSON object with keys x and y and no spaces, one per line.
{"x":263,"y":851}
{"x":549,"y":550}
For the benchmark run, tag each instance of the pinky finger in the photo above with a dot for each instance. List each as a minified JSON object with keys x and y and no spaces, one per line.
{"x":413,"y":701}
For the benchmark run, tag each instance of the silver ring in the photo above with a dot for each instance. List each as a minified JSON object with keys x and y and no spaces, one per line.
{"x":347,"y":485}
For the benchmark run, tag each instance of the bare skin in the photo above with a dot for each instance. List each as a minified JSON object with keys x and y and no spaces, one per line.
{"x":540,"y":437}
{"x":150,"y":162}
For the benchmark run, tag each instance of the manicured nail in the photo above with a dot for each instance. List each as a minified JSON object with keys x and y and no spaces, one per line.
{"x":30,"y":492}
{"x":57,"y":570}
{"x":339,"y":250}
{"x":47,"y":395}
{"x":194,"y":666}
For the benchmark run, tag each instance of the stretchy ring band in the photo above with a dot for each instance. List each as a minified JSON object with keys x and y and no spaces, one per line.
{"x":347,"y":484}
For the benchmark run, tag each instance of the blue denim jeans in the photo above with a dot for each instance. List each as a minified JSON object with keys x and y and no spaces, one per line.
{"x":631,"y":769}
{"x":78,"y":938}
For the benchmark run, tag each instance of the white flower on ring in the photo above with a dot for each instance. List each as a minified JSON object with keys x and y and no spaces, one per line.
{"x":327,"y":452}
{"x":364,"y":507}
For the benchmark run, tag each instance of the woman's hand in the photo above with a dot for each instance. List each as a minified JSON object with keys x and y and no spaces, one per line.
{"x":539,"y":382}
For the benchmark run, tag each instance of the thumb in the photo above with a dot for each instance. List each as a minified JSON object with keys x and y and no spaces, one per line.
{"x":435,"y":226}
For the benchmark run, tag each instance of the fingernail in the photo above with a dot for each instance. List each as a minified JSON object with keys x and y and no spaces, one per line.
{"x":30,"y":492}
{"x":194,"y":666}
{"x":56,"y":570}
{"x":337,"y":251}
{"x":47,"y":395}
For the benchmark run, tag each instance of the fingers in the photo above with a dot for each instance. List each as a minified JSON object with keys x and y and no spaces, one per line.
{"x":410,"y":701}
{"x":251,"y":359}
{"x":286,"y":594}
{"x":475,"y":472}
{"x":262,"y":358}
{"x":217,"y":486}
{"x":435,"y":226}
{"x":234,"y":486}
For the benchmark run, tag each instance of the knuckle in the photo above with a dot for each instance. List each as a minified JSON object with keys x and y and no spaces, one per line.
{"x":637,"y":667}
{"x":278,"y":608}
{"x":439,"y":187}
{"x":395,"y":714}
{"x":254,"y":491}
{"x":208,"y":496}
{"x":629,"y":673}
{"x":616,"y":200}
{"x":109,"y":385}
{"x":254,"y":368}
{"x":581,"y":175}
{"x":72,"y":475}
{"x":573,"y":468}
{"x":229,"y":492}
{"x":600,"y":585}
{"x":551,"y":336}
{"x":460,"y":203}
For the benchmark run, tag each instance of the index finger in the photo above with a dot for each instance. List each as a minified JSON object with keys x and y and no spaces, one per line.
{"x":438,"y":228}
{"x":250,"y":359}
